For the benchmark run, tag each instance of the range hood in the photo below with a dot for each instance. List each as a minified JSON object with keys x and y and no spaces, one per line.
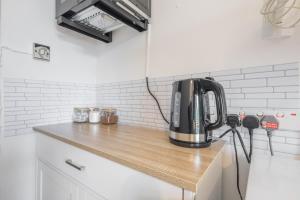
{"x":99,"y":18}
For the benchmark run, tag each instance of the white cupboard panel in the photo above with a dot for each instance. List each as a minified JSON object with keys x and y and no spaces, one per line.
{"x":108,"y":179}
{"x":51,"y":185}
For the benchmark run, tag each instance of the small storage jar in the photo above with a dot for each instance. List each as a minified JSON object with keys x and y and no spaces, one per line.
{"x":80,"y":115}
{"x":94,"y":115}
{"x":109,"y":116}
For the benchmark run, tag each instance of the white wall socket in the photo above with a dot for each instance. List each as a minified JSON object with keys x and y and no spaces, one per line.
{"x":41,"y":52}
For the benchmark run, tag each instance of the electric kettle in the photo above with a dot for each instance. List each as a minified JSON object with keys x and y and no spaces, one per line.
{"x":190,"y":119}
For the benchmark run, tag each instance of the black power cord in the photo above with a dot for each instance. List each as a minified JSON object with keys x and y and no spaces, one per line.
{"x":157,"y":103}
{"x":270,"y":143}
{"x":243,"y":145}
{"x":251,"y":143}
{"x":237,"y":166}
{"x":233,"y":121}
{"x":251,"y":122}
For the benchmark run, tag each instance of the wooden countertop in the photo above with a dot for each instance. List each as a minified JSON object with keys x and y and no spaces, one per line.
{"x":146,"y":150}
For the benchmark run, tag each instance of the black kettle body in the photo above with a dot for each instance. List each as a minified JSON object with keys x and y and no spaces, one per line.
{"x":190,"y":124}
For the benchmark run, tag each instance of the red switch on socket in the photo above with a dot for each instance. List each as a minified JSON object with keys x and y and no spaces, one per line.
{"x":294,"y":114}
{"x":269,"y":125}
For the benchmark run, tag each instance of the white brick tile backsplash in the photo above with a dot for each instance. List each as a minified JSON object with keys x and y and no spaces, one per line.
{"x":182,"y":77}
{"x":229,"y":77}
{"x":287,"y":66}
{"x":267,"y":89}
{"x":16,"y":98}
{"x":50,"y":90}
{"x":9,"y":89}
{"x":249,"y":103}
{"x":27,"y":103}
{"x":29,"y":94}
{"x":293,"y":141}
{"x":264,"y":137}
{"x":33,"y":102}
{"x":235,"y":96}
{"x":14,"y":123}
{"x":265,"y":74}
{"x":293,"y":95}
{"x":294,"y":72}
{"x":233,"y":90}
{"x":9,"y":104}
{"x":258,"y":90}
{"x":265,"y":96}
{"x":282,"y":81}
{"x":11,"y":113}
{"x":225,"y":72}
{"x":257,"y":144}
{"x":13,"y":109}
{"x":9,"y":119}
{"x":286,"y":148}
{"x":14,"y":94}
{"x":15,"y":127}
{"x":27,"y":117}
{"x":249,"y":83}
{"x":13,"y":80}
{"x":284,"y":103}
{"x":287,"y":89}
{"x":14,"y":84}
{"x":257,"y":69}
{"x":32,"y":81}
{"x":201,"y":75}
{"x":28,"y":90}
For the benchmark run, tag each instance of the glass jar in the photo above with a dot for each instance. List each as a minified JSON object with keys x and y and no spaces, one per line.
{"x":109,"y":116}
{"x":94,"y":115}
{"x":80,"y":115}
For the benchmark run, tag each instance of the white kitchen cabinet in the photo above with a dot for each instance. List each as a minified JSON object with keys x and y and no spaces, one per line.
{"x":102,"y":176}
{"x":87,"y":195}
{"x":97,"y":178}
{"x":84,"y":193}
{"x":54,"y":185}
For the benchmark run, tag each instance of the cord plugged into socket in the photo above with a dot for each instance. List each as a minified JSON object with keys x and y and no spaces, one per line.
{"x":269,"y":123}
{"x":251,"y":122}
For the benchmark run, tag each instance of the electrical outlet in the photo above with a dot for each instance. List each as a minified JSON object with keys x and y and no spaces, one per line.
{"x":41,"y":52}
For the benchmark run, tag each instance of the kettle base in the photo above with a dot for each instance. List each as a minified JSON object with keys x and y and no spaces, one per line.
{"x":189,"y":145}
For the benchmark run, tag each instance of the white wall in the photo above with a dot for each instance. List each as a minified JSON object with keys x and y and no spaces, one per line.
{"x":196,"y":36}
{"x":17,"y":165}
{"x":73,"y":56}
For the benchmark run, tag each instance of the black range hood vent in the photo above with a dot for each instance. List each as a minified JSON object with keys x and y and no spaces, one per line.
{"x":98,"y":18}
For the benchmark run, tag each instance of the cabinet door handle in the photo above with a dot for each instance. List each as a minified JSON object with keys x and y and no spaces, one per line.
{"x":78,"y":167}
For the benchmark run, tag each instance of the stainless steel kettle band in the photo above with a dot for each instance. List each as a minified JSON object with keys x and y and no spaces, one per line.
{"x":195,"y":138}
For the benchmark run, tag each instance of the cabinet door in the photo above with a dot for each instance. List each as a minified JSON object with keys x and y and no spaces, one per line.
{"x":86,"y":194}
{"x":52,"y":185}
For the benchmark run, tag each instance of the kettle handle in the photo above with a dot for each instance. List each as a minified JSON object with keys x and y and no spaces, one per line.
{"x":217,"y":89}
